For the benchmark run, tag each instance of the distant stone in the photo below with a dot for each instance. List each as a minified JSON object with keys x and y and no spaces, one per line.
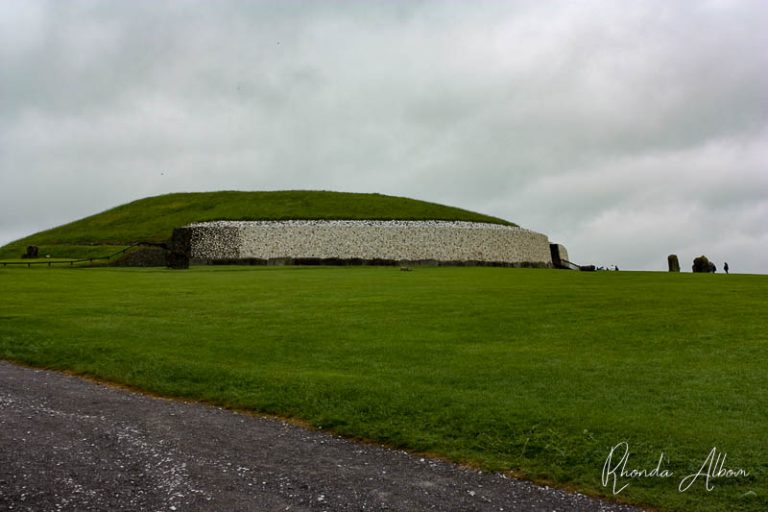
{"x":673,"y":262}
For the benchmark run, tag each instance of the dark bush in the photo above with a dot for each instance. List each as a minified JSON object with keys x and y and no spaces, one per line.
{"x":32,"y":252}
{"x":702,"y":264}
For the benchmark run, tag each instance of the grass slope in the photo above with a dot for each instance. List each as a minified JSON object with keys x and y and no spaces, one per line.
{"x":153,"y":219}
{"x":535,"y":371}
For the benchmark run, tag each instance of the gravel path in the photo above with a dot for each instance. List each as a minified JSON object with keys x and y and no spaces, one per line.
{"x":67,"y":444}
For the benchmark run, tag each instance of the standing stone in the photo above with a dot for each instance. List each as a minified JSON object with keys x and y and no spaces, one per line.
{"x":673,"y":262}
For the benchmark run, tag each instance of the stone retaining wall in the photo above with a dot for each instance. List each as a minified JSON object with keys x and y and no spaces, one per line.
{"x":366,"y":241}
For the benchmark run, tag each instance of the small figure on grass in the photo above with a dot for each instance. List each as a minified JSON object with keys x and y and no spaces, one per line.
{"x":725,"y":267}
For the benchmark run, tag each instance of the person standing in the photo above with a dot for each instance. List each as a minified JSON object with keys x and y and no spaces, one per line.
{"x":725,"y":267}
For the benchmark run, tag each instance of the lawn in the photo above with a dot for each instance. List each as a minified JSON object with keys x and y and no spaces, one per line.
{"x":535,"y":372}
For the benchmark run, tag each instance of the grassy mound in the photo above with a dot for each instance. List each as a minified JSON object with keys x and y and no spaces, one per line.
{"x":152,"y":219}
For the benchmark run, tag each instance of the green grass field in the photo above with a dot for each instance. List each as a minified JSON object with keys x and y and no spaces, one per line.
{"x":152,"y":219}
{"x":536,"y":372}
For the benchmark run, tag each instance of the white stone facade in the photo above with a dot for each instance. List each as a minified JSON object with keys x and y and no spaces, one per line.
{"x":411,"y":241}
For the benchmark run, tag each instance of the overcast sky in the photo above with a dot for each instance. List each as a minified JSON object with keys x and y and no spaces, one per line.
{"x":626,"y":130}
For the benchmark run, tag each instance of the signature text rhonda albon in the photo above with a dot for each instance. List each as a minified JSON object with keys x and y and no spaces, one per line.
{"x":616,"y":472}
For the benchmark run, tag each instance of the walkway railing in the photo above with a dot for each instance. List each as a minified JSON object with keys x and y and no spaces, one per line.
{"x":72,"y":262}
{"x":569,"y":265}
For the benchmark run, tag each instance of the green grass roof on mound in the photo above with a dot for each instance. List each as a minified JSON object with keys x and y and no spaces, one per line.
{"x":152,"y":219}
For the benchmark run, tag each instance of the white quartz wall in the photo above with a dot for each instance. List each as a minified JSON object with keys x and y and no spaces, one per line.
{"x":368,"y":240}
{"x":215,"y":241}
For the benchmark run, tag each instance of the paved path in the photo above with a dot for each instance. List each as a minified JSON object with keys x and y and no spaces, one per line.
{"x":67,"y":444}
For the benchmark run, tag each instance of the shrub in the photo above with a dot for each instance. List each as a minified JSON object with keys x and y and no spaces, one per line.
{"x":702,"y":264}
